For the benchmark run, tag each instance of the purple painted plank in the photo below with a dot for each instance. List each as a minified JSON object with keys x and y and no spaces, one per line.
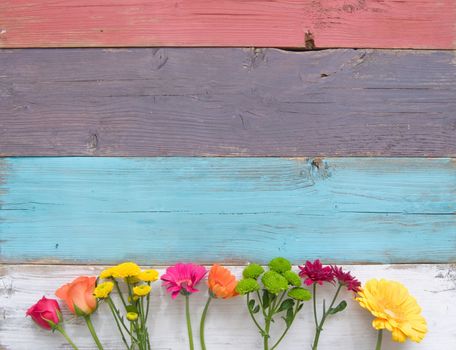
{"x":230,"y":102}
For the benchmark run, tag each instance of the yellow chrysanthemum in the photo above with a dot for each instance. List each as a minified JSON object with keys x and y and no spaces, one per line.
{"x":142,"y":290}
{"x":132,"y":316}
{"x":107,"y":273}
{"x":126,"y":269}
{"x":148,"y":275}
{"x":103,"y":290}
{"x":394,"y":308}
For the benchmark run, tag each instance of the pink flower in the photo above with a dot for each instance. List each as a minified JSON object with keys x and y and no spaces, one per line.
{"x":346,"y":279}
{"x":316,"y":273}
{"x":182,"y":278}
{"x":44,"y":312}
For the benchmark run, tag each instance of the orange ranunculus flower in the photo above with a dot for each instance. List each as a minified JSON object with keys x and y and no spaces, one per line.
{"x":78,"y":295}
{"x":221,"y":282}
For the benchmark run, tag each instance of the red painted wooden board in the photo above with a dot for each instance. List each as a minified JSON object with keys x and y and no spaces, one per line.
{"x":261,"y":23}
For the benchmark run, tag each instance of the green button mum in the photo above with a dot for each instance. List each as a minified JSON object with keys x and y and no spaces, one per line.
{"x":300,"y":294}
{"x":279,"y":265}
{"x":252,"y":271}
{"x":274,"y":282}
{"x":292,"y":278}
{"x":247,"y":285}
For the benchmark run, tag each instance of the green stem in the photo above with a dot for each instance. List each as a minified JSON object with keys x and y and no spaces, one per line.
{"x":203,"y":320}
{"x":65,"y":335}
{"x":379,"y":340}
{"x":113,"y":311}
{"x":92,"y":331}
{"x":288,"y":327}
{"x":148,"y":303}
{"x":314,"y":297}
{"x":323,"y":318}
{"x":120,"y":319}
{"x":253,"y":316}
{"x":267,"y":328}
{"x":260,"y":301}
{"x":142,"y":325}
{"x":189,"y":322}
{"x":277,"y":305}
{"x":116,"y":284}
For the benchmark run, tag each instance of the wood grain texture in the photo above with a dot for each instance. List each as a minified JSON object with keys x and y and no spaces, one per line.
{"x":228,"y":324}
{"x":157,"y":210}
{"x":425,"y":24}
{"x":230,"y":102}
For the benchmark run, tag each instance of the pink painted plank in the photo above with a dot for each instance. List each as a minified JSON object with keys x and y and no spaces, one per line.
{"x":428,"y":24}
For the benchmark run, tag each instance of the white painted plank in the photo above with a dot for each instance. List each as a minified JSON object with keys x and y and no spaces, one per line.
{"x":228,"y":324}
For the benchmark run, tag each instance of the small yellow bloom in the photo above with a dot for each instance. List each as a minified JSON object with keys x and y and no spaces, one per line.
{"x":142,"y":290}
{"x":126,"y":269}
{"x":148,"y":275}
{"x":103,"y":290}
{"x":106,"y":273}
{"x":132,"y":316}
{"x":394,"y":309}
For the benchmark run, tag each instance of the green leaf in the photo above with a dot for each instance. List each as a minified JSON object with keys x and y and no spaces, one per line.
{"x":289,"y":317}
{"x":286,"y":304}
{"x":251,"y":305}
{"x":341,"y":307}
{"x":266,"y":299}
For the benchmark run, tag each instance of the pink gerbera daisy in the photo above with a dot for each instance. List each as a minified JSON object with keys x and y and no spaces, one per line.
{"x":315,"y":272}
{"x":346,"y":279}
{"x":182,"y":278}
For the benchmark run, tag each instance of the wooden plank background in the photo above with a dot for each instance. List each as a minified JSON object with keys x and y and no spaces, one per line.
{"x":228,"y":325}
{"x":228,"y":209}
{"x":264,"y":23}
{"x":227,"y":102}
{"x":202,"y":118}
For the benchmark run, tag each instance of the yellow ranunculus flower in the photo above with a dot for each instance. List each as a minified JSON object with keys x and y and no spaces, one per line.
{"x":142,"y":290}
{"x":103,"y":290}
{"x":394,"y":309}
{"x":148,"y":275}
{"x":132,"y":316}
{"x":125,"y":270}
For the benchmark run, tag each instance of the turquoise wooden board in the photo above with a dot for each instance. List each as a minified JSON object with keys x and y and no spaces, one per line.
{"x":163,"y":210}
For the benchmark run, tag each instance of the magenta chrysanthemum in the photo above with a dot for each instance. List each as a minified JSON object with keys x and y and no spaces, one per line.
{"x":346,"y":279}
{"x":182,"y":278}
{"x":315,"y":272}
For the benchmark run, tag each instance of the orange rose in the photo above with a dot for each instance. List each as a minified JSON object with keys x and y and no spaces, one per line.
{"x":222,"y":282}
{"x":78,"y":295}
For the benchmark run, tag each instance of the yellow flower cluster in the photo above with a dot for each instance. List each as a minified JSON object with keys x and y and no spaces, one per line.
{"x":131,"y":272}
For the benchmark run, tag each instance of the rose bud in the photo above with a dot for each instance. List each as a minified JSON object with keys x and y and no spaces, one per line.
{"x":78,"y":295}
{"x":46,"y":313}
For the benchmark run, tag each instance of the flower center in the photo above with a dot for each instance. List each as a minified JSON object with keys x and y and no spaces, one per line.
{"x":185,"y":283}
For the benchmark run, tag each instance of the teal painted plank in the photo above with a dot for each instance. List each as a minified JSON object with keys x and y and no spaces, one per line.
{"x":162,"y":210}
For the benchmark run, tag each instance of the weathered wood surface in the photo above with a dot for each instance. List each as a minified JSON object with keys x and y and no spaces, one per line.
{"x":228,"y":324}
{"x":235,"y":102}
{"x":424,"y":24}
{"x":227,"y":209}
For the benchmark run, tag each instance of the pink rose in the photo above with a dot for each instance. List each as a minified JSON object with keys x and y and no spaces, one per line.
{"x":43,"y":311}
